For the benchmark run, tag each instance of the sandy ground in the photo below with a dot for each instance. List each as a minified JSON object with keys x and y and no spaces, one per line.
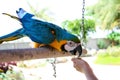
{"x":65,"y":71}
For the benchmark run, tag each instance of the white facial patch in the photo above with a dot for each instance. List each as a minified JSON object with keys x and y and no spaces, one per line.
{"x":70,"y":45}
{"x":21,"y":13}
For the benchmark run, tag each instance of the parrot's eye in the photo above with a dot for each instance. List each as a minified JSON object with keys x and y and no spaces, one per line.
{"x":71,"y":43}
{"x":70,"y":46}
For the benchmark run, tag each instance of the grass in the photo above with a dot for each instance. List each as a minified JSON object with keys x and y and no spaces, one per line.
{"x":111,"y":56}
{"x":108,"y":60}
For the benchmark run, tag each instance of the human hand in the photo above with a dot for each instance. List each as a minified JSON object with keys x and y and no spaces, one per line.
{"x":80,"y":65}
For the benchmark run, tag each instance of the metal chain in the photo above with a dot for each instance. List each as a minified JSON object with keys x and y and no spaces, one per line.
{"x":54,"y":67}
{"x":53,"y":62}
{"x":83,"y":18}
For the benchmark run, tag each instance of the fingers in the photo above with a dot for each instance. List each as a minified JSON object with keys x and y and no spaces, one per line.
{"x":80,"y":64}
{"x":79,"y":61}
{"x":74,"y":59}
{"x":77,"y":64}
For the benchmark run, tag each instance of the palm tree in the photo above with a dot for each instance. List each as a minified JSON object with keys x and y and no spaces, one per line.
{"x":106,"y":13}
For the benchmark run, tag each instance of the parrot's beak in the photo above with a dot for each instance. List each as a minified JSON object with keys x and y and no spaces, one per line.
{"x":21,"y":13}
{"x":77,"y":49}
{"x":73,"y":48}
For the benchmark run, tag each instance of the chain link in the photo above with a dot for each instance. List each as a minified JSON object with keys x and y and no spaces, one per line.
{"x":82,"y":28}
{"x":52,"y":61}
{"x":54,"y":67}
{"x":83,"y":18}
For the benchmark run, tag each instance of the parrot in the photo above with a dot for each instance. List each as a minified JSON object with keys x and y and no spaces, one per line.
{"x":43,"y":33}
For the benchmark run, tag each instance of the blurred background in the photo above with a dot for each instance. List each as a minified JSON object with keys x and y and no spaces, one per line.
{"x":101,"y":37}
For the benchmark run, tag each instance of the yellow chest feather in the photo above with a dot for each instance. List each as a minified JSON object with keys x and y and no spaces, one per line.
{"x":55,"y":44}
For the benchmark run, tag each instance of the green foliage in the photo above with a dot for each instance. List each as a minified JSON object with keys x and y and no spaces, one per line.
{"x":110,"y":51}
{"x":72,"y":26}
{"x":106,"y":13}
{"x":114,"y":37}
{"x":102,"y":53}
{"x":101,"y":44}
{"x":108,"y":60}
{"x":109,"y":56}
{"x":12,"y":75}
{"x":3,"y":76}
{"x":75,"y":27}
{"x":114,"y":51}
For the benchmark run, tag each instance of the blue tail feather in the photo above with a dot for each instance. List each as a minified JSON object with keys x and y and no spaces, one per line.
{"x":12,"y":36}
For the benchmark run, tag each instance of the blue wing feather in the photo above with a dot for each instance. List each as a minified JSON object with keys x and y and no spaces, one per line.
{"x":41,"y":31}
{"x":60,"y":34}
{"x":13,"y":36}
{"x":37,"y":31}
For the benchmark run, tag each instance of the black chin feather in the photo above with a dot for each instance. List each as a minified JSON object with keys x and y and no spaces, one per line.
{"x":77,"y":49}
{"x":63,"y":49}
{"x":73,"y":52}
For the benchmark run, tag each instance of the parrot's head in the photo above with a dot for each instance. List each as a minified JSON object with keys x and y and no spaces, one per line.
{"x":22,"y":13}
{"x":73,"y":48}
{"x":73,"y":44}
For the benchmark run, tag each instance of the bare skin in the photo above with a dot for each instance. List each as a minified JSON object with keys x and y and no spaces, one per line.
{"x":82,"y":66}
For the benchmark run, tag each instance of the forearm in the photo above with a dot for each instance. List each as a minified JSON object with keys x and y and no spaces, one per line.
{"x":90,"y":75}
{"x":82,"y":66}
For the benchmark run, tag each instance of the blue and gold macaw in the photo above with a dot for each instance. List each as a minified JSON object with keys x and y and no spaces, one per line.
{"x":43,"y":33}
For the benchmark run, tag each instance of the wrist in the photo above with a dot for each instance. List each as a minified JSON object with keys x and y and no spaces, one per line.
{"x":90,"y":75}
